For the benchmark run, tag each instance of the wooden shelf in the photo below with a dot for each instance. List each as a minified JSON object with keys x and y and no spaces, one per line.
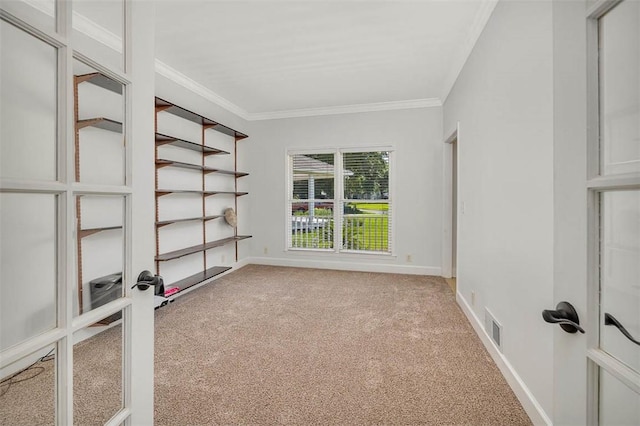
{"x":90,"y":231}
{"x":237,"y":194}
{"x":194,"y":279}
{"x":162,"y":192}
{"x":198,"y":248}
{"x":188,"y":219}
{"x":162,"y":105}
{"x":181,"y":143}
{"x":229,"y":172}
{"x":160,"y":163}
{"x":100,"y":80}
{"x":101,"y":123}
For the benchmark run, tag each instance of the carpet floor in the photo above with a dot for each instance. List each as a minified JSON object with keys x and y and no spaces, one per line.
{"x":275,"y":345}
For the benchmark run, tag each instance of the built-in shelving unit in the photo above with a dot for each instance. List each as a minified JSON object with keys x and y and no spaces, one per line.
{"x":197,"y":171}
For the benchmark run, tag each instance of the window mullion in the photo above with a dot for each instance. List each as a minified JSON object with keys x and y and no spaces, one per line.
{"x":338,"y":191}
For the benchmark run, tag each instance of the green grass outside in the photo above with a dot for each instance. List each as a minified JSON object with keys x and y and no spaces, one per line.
{"x":371,"y":206}
{"x":311,"y":240}
{"x":369,"y":233}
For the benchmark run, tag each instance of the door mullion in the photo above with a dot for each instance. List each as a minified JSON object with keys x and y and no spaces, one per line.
{"x":616,"y":368}
{"x":66,"y":253}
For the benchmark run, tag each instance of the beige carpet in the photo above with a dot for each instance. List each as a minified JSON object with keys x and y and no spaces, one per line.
{"x":271,"y":345}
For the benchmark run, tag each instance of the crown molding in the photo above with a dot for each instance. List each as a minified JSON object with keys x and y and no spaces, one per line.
{"x":348,"y":109}
{"x":479,"y":23}
{"x":82,"y":24}
{"x":192,"y":85}
{"x":97,"y":32}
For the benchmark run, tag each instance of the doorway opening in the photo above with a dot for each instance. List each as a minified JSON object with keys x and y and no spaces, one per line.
{"x":450,"y":210}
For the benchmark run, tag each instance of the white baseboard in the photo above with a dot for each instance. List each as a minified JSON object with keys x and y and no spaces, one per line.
{"x":529,"y":403}
{"x":240,"y":264}
{"x":346,"y":266}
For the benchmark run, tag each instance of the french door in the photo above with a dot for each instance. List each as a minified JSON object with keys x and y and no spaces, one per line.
{"x":613,"y":185}
{"x":76,"y":222}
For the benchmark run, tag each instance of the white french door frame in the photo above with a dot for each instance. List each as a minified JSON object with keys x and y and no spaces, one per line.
{"x":596,"y":185}
{"x":65,"y":189}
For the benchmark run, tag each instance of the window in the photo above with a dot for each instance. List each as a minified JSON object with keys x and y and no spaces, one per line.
{"x":345,"y":187}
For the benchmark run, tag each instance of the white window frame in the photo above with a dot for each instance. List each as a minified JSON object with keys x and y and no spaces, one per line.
{"x":339,"y":199}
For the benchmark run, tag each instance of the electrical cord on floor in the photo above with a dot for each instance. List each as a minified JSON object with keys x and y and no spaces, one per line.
{"x":36,"y":371}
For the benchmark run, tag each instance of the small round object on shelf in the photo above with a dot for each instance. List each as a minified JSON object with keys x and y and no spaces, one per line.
{"x":230,"y":217}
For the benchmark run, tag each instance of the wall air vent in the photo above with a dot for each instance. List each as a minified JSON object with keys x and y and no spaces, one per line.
{"x":493,"y":329}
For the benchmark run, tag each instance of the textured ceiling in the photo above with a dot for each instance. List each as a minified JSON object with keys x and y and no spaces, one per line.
{"x":269,"y":56}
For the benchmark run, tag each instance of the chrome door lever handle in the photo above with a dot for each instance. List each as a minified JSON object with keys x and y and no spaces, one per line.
{"x":564,"y":315}
{"x":611,"y":320}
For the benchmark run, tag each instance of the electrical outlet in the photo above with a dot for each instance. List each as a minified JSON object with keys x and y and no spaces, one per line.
{"x":409,"y":258}
{"x":473,"y":298}
{"x":266,"y":250}
{"x":223,"y":259}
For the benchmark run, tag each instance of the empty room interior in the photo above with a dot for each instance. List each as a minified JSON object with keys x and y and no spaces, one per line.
{"x":320,"y":212}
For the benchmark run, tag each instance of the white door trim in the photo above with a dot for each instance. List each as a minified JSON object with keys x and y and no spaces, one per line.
{"x":447,"y":202}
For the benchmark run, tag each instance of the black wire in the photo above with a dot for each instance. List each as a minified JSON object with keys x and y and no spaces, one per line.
{"x":9,"y":381}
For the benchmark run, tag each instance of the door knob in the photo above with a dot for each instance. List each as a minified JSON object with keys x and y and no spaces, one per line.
{"x":565,"y":315}
{"x":147,"y":279}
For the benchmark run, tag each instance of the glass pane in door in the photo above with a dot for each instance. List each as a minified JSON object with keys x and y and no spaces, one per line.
{"x":28,"y":389}
{"x":99,"y":139}
{"x":619,"y":405}
{"x":28,"y":86}
{"x":97,"y":372}
{"x":620,"y":274}
{"x":39,"y":13}
{"x":619,"y":35}
{"x":98,"y":31}
{"x":100,"y":250}
{"x":28,"y":270}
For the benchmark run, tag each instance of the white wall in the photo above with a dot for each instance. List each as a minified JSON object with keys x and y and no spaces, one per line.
{"x":570,"y":201}
{"x":503,"y":100}
{"x":416,"y":135}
